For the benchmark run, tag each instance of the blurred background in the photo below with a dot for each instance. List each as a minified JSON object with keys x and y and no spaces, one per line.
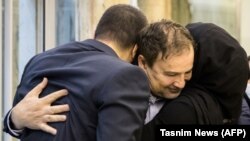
{"x":29,"y":27}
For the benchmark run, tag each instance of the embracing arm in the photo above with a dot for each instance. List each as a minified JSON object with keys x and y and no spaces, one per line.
{"x":34,"y":112}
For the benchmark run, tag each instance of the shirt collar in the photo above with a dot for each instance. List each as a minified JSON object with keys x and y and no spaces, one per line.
{"x":153,"y":99}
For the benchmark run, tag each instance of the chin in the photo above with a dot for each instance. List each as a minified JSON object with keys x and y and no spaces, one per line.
{"x":171,"y":96}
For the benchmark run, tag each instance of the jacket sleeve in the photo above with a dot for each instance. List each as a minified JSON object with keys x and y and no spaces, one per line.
{"x":8,"y":126}
{"x":123,"y":105}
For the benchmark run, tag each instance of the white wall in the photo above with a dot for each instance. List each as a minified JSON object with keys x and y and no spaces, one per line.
{"x":223,"y":13}
{"x":245,"y":25}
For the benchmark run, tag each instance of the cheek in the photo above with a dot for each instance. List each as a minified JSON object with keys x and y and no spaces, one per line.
{"x":165,"y":81}
{"x":188,"y":76}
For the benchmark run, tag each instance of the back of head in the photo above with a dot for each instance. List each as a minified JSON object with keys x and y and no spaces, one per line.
{"x":220,"y":66}
{"x":121,"y":23}
{"x":164,"y":37}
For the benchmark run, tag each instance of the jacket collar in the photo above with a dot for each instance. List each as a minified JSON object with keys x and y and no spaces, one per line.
{"x":100,"y":46}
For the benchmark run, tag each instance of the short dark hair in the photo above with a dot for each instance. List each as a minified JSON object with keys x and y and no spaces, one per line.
{"x":166,"y":37}
{"x":121,"y":23}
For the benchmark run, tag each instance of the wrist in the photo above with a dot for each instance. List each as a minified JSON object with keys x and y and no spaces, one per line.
{"x":15,"y":123}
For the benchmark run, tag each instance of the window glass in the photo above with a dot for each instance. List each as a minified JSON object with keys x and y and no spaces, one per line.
{"x":26,"y":30}
{"x":221,"y":12}
{"x":65,"y":21}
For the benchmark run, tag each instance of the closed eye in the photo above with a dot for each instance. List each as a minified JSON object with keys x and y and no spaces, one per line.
{"x":170,"y":74}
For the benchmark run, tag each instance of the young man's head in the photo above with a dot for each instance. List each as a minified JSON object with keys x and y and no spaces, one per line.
{"x":119,"y":27}
{"x":166,"y":54}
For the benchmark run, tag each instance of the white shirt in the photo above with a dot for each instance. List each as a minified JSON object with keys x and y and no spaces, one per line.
{"x":155,"y":105}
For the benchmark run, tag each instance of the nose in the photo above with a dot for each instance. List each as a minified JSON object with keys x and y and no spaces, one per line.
{"x":180,"y":81}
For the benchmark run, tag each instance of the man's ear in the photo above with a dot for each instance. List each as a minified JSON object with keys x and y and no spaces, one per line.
{"x":134,"y":50}
{"x":142,"y":62}
{"x":133,"y":54}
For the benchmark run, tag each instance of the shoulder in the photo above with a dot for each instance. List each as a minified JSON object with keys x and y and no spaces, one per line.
{"x":126,"y":74}
{"x":182,"y":103}
{"x":194,"y":106}
{"x":116,"y":66}
{"x":178,"y":111}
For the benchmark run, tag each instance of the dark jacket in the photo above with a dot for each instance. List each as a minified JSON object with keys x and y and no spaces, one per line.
{"x":245,"y":111}
{"x":106,"y":102}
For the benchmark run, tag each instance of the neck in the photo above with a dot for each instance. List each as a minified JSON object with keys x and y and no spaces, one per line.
{"x":123,"y":54}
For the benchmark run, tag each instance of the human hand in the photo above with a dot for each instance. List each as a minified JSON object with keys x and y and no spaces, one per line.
{"x":34,"y":112}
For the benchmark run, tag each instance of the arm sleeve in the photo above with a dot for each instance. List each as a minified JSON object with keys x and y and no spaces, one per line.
{"x":8,"y":126}
{"x":124,"y":102}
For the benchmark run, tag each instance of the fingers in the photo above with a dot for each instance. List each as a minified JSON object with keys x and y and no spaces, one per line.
{"x":59,"y":109}
{"x":46,"y":128}
{"x":44,"y":83}
{"x":39,"y":88}
{"x":55,"y":118}
{"x":55,"y":95}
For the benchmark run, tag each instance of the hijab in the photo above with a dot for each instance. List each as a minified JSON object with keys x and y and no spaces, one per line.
{"x":220,"y":69}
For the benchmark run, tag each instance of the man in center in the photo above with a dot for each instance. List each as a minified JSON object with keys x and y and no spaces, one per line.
{"x":166,"y":54}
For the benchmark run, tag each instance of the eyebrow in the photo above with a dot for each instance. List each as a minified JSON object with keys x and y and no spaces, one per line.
{"x":179,"y":72}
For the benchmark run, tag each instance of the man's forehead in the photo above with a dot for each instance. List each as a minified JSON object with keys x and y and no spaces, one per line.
{"x":175,"y":63}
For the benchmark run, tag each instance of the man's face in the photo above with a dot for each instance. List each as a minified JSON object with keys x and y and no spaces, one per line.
{"x":168,"y":76}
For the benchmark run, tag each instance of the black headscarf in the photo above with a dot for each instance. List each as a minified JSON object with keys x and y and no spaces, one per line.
{"x":220,"y":67}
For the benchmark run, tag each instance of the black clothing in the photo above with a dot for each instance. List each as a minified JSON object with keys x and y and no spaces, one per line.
{"x":214,"y":93}
{"x":220,"y":67}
